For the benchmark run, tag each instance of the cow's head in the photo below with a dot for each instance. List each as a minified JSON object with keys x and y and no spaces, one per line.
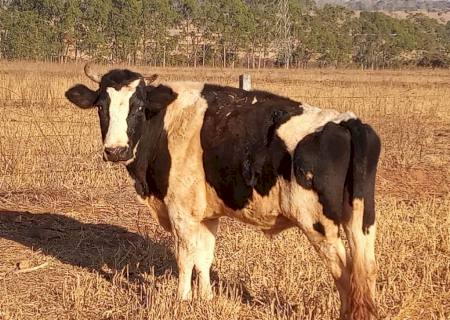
{"x":121,"y":103}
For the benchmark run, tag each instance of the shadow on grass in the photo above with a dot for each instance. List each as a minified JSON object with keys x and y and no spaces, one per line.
{"x":103,"y":248}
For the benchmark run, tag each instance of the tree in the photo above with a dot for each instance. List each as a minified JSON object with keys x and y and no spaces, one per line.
{"x":302,"y":18}
{"x":124,"y":30}
{"x":231,"y":23}
{"x":381,"y":40}
{"x":187,"y":14}
{"x":189,"y":32}
{"x":26,"y":36}
{"x":284,"y":32}
{"x":92,"y":33}
{"x":158,"y":18}
{"x":262,"y":34}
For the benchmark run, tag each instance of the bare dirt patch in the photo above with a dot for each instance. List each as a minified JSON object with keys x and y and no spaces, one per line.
{"x":414,"y":183}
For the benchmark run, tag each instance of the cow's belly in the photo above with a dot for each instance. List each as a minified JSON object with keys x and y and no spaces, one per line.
{"x":263,"y":212}
{"x":269,"y":222}
{"x":287,"y":205}
{"x":271,"y":213}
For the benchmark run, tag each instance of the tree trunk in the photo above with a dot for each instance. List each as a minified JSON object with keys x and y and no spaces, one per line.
{"x":253,"y":56}
{"x":259,"y":58}
{"x":155,"y":61}
{"x":76,"y":51}
{"x":187,"y":43}
{"x":203,"y":54}
{"x":164,"y":56}
{"x":195,"y":51}
{"x":224,"y":56}
{"x":264,"y":59}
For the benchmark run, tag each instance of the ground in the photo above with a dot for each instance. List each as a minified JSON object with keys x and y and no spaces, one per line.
{"x":75,"y":243}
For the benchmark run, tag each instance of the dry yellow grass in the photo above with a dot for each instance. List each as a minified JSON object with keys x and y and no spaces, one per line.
{"x":61,"y":204}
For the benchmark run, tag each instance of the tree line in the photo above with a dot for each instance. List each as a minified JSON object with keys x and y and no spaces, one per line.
{"x":249,"y":33}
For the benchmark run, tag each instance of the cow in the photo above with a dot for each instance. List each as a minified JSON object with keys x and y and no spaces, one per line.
{"x":199,"y":151}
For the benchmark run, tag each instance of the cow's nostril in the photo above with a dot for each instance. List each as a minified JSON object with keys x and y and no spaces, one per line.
{"x":116,"y":154}
{"x":113,"y":151}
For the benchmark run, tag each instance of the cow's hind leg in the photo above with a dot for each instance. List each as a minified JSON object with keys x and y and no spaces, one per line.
{"x":324,"y":236}
{"x":364,"y":268}
{"x":321,"y":162}
{"x":360,"y":227}
{"x":204,"y":256}
{"x":369,"y":260}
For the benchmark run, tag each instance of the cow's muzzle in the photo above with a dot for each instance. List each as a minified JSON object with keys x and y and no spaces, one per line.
{"x":117,"y":154}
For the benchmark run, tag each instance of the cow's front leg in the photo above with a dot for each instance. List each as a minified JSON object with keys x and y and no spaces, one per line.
{"x":185,"y":232}
{"x":206,"y":239}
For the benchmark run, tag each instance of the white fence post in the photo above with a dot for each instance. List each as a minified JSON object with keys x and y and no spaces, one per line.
{"x":245,"y":82}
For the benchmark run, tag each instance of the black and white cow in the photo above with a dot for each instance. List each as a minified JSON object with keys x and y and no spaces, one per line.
{"x":199,"y":151}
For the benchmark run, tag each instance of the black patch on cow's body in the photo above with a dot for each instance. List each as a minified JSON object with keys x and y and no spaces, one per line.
{"x":321,"y":161}
{"x":366,"y":148}
{"x":241,"y":150}
{"x":319,"y":228}
{"x":151,"y":168}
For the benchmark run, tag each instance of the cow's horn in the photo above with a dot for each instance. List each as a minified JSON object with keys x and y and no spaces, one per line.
{"x":91,"y":74}
{"x":149,"y":79}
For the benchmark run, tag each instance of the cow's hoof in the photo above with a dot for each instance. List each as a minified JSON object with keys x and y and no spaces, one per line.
{"x":206,"y":295}
{"x":185,"y":296}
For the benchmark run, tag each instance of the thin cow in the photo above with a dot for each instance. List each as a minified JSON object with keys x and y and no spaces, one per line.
{"x":200,"y":151}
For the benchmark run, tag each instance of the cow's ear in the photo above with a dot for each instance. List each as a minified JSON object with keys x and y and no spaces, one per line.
{"x":82,"y":96}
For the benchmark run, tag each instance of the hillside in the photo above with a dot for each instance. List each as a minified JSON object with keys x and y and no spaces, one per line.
{"x":391,"y":5}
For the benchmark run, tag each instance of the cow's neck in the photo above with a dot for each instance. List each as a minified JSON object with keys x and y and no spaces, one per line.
{"x":152,"y":162}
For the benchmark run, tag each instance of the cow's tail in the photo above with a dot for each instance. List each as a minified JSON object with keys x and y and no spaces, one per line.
{"x":360,"y":228}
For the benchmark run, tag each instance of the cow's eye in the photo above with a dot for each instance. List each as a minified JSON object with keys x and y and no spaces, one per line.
{"x":141,"y":108}
{"x":100,"y":108}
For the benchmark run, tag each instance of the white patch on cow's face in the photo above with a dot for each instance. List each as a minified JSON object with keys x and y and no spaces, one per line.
{"x":118,"y":112}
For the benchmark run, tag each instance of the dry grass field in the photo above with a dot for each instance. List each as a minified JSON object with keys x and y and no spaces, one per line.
{"x":75,"y":243}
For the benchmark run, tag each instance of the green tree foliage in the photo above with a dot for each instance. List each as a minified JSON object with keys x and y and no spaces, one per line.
{"x":157,"y":19}
{"x":231,"y":23}
{"x":124,"y":29}
{"x":25,"y":36}
{"x":262,"y":34}
{"x":92,"y":33}
{"x":329,"y":36}
{"x":380,"y":40}
{"x":252,"y":33}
